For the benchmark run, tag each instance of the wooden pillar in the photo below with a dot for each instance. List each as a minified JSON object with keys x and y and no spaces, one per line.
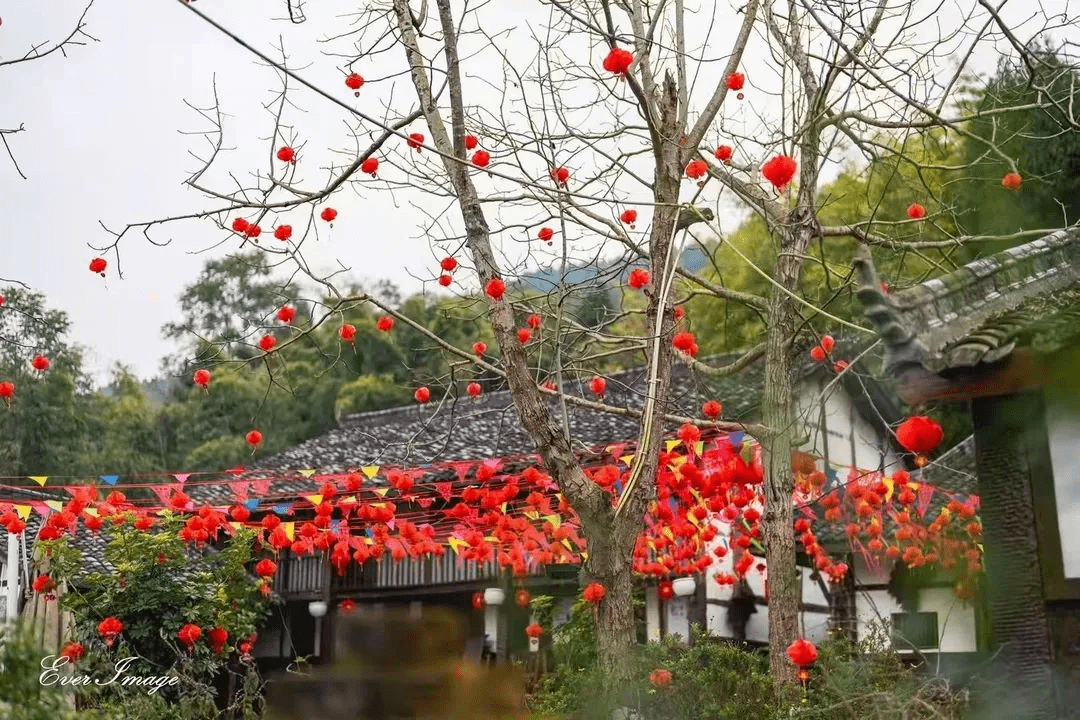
{"x":1010,"y":448}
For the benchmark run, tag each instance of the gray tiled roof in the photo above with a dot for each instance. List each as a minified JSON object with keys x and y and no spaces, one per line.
{"x":1027,"y":295}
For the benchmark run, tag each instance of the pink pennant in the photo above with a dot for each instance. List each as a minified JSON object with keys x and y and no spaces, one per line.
{"x":444,"y":489}
{"x":40,"y":508}
{"x":808,"y":512}
{"x":240,"y":490}
{"x":182,"y":477}
{"x":164,"y":491}
{"x":425,"y":502}
{"x":926,"y":493}
{"x":262,"y":486}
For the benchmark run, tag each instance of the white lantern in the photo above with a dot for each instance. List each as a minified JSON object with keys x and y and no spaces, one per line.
{"x":684,"y":586}
{"x":494,"y":596}
{"x":317,"y":609}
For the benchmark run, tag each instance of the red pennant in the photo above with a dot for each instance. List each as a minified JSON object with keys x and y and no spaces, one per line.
{"x":926,"y":493}
{"x":236,"y":471}
{"x":445,"y":489}
{"x":164,"y":491}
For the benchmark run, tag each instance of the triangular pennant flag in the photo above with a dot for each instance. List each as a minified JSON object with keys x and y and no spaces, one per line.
{"x":532,"y":514}
{"x":370,"y":470}
{"x":251,"y":504}
{"x":307,"y":472}
{"x":164,"y":491}
{"x":671,"y":444}
{"x":110,"y":479}
{"x":182,"y":477}
{"x":23,"y":511}
{"x":926,"y":493}
{"x":699,"y":448}
{"x":282,"y":508}
{"x":239,"y":489}
{"x":261,"y":486}
{"x":92,"y":512}
{"x":444,"y":489}
{"x":555,"y":520}
{"x":40,"y":479}
{"x":626,"y":459}
{"x":735,"y":439}
{"x":40,"y":508}
{"x":313,"y":499}
{"x":347,"y":500}
{"x":236,"y":525}
{"x":381,"y":492}
{"x":890,"y":485}
{"x":54,"y":505}
{"x":456,"y":544}
{"x":290,"y":530}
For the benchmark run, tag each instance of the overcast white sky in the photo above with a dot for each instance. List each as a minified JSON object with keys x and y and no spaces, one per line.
{"x":103,"y":143}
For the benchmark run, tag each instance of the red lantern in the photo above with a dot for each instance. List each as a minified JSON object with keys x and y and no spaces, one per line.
{"x":481,"y":158}
{"x":283,"y":232}
{"x":286,"y":314}
{"x":919,"y":434}
{"x":802,"y":652}
{"x":267,"y":342}
{"x":415,"y":141}
{"x":712,"y":409}
{"x":735,"y":81}
{"x":685,"y":342}
{"x":109,"y":628}
{"x":385,"y":323}
{"x":524,"y":335}
{"x":479,"y":348}
{"x":478,"y":601}
{"x":347,"y":332}
{"x":266,"y":568}
{"x":629,"y":217}
{"x":370,"y":166}
{"x":1011,"y":181}
{"x":189,"y":635}
{"x":665,"y":590}
{"x":347,"y":606}
{"x":639,"y":278}
{"x":534,"y":630}
{"x":522,"y":597}
{"x":286,"y":154}
{"x":915,"y":211}
{"x":446,"y":280}
{"x":594,"y":592}
{"x":471,"y":142}
{"x":560,"y":175}
{"x":534,"y":322}
{"x":40,"y":363}
{"x":618,"y":61}
{"x":724,"y":153}
{"x":448,"y":264}
{"x":495,"y":288}
{"x":328,"y":214}
{"x":422,"y":395}
{"x":239,"y":225}
{"x":217,"y":637}
{"x":660,"y":678}
{"x":253,"y":231}
{"x":696,"y":169}
{"x":354,"y":81}
{"x":546,"y":234}
{"x":72,"y":651}
{"x":473,"y":389}
{"x":817,"y":353}
{"x":98,"y":265}
{"x":779,"y":171}
{"x":598,"y":385}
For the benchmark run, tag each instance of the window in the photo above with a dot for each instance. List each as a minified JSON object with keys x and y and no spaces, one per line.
{"x":914,"y":631}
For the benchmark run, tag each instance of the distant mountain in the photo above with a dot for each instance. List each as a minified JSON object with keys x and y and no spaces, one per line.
{"x":545,"y":280}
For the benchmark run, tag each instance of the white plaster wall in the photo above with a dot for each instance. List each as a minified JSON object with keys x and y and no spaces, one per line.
{"x":852,"y":440}
{"x":1063,"y":427}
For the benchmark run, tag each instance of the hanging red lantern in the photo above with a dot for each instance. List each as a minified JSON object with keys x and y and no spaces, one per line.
{"x":919,"y":434}
{"x":446,"y":280}
{"x":239,"y":225}
{"x":915,"y":211}
{"x":286,"y":154}
{"x":560,"y":175}
{"x":347,"y":332}
{"x":685,"y":342}
{"x":524,"y":335}
{"x":629,"y":217}
{"x":478,"y":601}
{"x":639,"y":278}
{"x":266,"y":568}
{"x":328,"y":214}
{"x":254,"y":438}
{"x":522,"y":597}
{"x":479,"y":348}
{"x":471,"y":142}
{"x":189,"y":635}
{"x":660,"y":678}
{"x":724,"y":153}
{"x":711,"y":409}
{"x":545,"y":234}
{"x":217,"y":637}
{"x":283,"y":232}
{"x":696,"y":169}
{"x":618,"y":61}
{"x":598,"y":385}
{"x":40,"y":363}
{"x":779,"y":170}
{"x":286,"y":314}
{"x":735,"y":81}
{"x":422,"y":395}
{"x":448,"y":264}
{"x":72,"y":651}
{"x":98,"y":265}
{"x":481,"y":158}
{"x":253,"y":231}
{"x":267,"y":343}
{"x":1011,"y":181}
{"x":534,"y":630}
{"x":385,"y":323}
{"x":109,"y":629}
{"x":202,"y":378}
{"x":802,"y":652}
{"x":473,"y":389}
{"x":354,"y":81}
{"x":370,"y":166}
{"x":594,"y":592}
{"x":495,"y":288}
{"x":665,"y":590}
{"x":415,"y":141}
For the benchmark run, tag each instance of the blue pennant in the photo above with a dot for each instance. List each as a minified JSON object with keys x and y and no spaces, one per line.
{"x":251,"y":504}
{"x":110,"y":479}
{"x":282,"y":509}
{"x":735,"y":439}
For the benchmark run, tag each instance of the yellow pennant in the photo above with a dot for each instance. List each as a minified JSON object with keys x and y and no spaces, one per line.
{"x":677,"y":461}
{"x":492,"y":538}
{"x":626,"y":459}
{"x":371,"y":470}
{"x":381,"y":492}
{"x":307,"y":473}
{"x":92,"y":512}
{"x":568,"y":544}
{"x":699,"y":448}
{"x":671,"y":443}
{"x":55,"y":505}
{"x":23,"y":510}
{"x":40,"y":479}
{"x":313,"y":499}
{"x":290,"y":529}
{"x":889,"y":484}
{"x":667,"y":532}
{"x":532,"y":514}
{"x":503,"y":507}
{"x":347,"y":501}
{"x":554,"y":520}
{"x":456,"y":545}
{"x":584,"y":555}
{"x":236,"y":525}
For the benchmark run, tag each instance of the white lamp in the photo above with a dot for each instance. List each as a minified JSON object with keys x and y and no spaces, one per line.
{"x":684,"y":586}
{"x":494,"y":596}
{"x":317,"y":608}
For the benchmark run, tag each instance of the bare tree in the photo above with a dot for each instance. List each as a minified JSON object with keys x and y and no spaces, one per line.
{"x":555,"y":127}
